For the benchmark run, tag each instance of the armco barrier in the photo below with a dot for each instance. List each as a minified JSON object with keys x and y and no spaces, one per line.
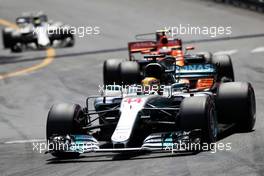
{"x":251,"y":4}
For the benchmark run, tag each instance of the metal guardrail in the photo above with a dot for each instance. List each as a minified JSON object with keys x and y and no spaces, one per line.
{"x":257,"y":5}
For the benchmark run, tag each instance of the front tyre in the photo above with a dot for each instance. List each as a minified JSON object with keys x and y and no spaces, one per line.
{"x":199,"y":113}
{"x":236,"y":104}
{"x":17,"y":47}
{"x":64,"y":119}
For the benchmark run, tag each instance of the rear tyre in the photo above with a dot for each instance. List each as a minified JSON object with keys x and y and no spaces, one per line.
{"x":236,"y":104}
{"x":207,"y":56}
{"x":225,"y":67}
{"x":111,"y":72}
{"x":7,"y":38}
{"x":199,"y":113}
{"x":63,"y":119}
{"x":16,"y":44}
{"x":130,"y":72}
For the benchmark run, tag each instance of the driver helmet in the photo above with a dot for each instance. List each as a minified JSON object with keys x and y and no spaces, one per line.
{"x":151,"y":85}
{"x":37,"y":21}
{"x":21,"y":22}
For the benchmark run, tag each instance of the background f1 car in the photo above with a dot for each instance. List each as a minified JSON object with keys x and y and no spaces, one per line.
{"x":142,"y":53}
{"x":34,"y":30}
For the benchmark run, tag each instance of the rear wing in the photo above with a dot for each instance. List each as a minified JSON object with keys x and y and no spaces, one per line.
{"x":137,"y":47}
{"x":148,"y":46}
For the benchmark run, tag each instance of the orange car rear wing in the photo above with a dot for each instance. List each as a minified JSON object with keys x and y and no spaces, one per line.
{"x":148,"y":46}
{"x":142,"y":46}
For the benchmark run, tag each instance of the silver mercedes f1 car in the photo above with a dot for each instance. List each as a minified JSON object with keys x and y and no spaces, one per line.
{"x":133,"y":119}
{"x":34,"y":30}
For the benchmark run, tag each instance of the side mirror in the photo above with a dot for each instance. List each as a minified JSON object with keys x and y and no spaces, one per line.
{"x":189,"y":48}
{"x":179,"y":86}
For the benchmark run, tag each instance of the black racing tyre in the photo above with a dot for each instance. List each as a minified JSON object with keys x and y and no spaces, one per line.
{"x":236,"y":104}
{"x":16,"y":47}
{"x":7,"y":38}
{"x":69,"y":41}
{"x":63,"y":119}
{"x":224,"y":66}
{"x":130,"y":72}
{"x":16,"y":44}
{"x":111,"y":72}
{"x":199,"y":113}
{"x":207,"y":56}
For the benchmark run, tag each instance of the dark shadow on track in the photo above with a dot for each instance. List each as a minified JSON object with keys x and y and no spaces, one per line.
{"x":118,"y":157}
{"x":4,"y":59}
{"x":229,"y":132}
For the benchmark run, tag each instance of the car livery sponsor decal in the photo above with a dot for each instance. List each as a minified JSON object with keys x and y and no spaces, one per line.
{"x":130,"y":107}
{"x":201,"y":68}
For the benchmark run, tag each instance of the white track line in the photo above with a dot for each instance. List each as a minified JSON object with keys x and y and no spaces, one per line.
{"x":24,"y":141}
{"x":229,"y":52}
{"x":258,"y":49}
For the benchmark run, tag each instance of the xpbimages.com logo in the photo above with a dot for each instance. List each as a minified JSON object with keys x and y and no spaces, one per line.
{"x":212,"y":147}
{"x":42,"y":147}
{"x":188,"y":29}
{"x":80,"y":31}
